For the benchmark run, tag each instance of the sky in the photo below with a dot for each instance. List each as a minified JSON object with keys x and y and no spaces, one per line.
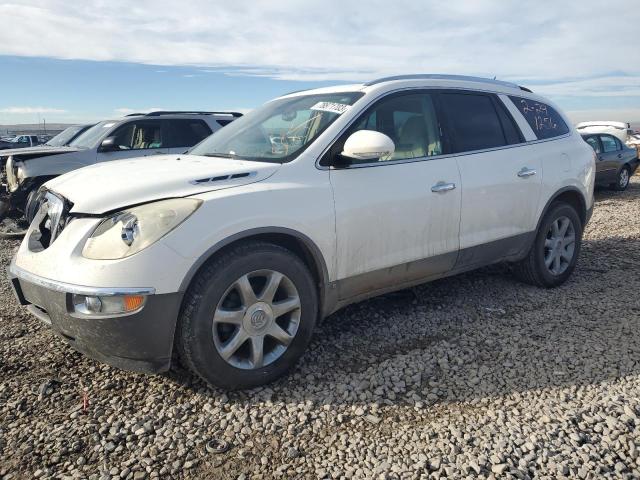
{"x":84,"y":61}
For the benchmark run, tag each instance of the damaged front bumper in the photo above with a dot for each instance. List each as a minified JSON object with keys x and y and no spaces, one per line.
{"x":139,"y":341}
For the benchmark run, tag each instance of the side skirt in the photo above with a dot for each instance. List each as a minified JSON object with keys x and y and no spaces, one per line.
{"x":371,"y":284}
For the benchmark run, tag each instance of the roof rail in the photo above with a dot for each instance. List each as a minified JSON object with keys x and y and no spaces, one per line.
{"x":182,"y":112}
{"x":439,"y":76}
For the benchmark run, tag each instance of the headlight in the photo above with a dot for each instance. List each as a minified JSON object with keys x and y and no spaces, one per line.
{"x":20,"y":175}
{"x":131,"y":230}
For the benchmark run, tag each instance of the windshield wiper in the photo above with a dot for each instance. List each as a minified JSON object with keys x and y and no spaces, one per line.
{"x":223,"y":155}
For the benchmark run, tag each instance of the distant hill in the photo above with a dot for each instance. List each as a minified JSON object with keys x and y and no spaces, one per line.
{"x":33,"y":128}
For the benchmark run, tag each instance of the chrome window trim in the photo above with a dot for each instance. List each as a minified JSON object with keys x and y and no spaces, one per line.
{"x":422,"y":159}
{"x":64,"y":287}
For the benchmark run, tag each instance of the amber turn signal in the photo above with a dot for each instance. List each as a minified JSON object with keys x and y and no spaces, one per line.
{"x":132,"y":302}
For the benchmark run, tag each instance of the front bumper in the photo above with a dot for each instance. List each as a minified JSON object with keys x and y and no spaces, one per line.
{"x":141,"y":341}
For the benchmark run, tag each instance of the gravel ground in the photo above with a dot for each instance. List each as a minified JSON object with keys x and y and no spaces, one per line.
{"x":472,"y":376}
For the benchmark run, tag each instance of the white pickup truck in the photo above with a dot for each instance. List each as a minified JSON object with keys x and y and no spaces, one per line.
{"x":21,"y":141}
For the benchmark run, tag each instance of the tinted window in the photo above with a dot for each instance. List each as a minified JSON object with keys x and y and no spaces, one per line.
{"x":409,"y":120}
{"x":186,"y":133}
{"x":609,"y":143}
{"x":511,"y":131}
{"x":543,"y":119}
{"x":474,"y":121}
{"x":595,"y":144}
{"x":139,"y":135}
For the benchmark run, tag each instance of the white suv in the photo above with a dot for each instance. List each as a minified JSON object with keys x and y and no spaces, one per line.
{"x":231,"y":253}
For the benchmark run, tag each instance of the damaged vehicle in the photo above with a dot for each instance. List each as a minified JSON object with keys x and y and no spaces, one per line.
{"x":136,"y":135}
{"x":68,"y":135}
{"x":230,"y":254}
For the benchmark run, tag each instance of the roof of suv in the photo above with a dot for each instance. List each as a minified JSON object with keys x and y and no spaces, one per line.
{"x":185,"y":113}
{"x":432,"y":80}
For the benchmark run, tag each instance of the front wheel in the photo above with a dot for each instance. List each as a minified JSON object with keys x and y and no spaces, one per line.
{"x":248,"y":316}
{"x":555,"y":250}
{"x":622,"y":181}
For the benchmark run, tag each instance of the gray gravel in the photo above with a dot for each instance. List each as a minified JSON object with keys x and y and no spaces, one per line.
{"x":467,"y":377}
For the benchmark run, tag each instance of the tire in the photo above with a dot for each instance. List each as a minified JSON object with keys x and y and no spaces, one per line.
{"x":204,"y":334}
{"x":622,"y":180}
{"x":533,"y":269}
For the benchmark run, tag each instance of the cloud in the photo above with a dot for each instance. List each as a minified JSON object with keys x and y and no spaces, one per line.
{"x":334,"y":39}
{"x":30,"y":110}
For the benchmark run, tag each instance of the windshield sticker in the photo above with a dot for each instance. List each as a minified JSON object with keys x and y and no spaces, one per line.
{"x":332,"y":107}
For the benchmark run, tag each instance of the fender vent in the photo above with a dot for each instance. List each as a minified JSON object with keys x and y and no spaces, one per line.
{"x":222,"y":178}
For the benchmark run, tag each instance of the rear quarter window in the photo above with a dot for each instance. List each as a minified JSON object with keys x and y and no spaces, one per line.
{"x":543,"y":119}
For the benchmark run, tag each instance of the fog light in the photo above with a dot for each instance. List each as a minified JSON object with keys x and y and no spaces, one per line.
{"x":93,"y":304}
{"x":108,"y":304}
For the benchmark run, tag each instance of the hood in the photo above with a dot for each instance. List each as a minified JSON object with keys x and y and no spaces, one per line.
{"x":40,"y":150}
{"x":108,"y":186}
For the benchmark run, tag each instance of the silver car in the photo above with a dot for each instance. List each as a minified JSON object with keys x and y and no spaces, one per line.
{"x":136,"y":135}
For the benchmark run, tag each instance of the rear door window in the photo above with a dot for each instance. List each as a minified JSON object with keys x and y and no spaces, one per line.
{"x":543,"y":119}
{"x":186,"y":132}
{"x":474,"y":121}
{"x":609,"y":143}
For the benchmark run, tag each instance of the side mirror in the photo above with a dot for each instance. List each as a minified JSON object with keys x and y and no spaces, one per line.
{"x":109,"y":145}
{"x":368,"y":145}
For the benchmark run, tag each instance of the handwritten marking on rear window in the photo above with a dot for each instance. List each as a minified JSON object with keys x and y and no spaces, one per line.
{"x":332,"y":107}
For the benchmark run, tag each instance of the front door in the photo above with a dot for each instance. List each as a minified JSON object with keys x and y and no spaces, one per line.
{"x":397,"y":218}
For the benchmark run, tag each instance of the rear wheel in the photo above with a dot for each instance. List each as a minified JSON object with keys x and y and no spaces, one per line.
{"x":248,"y":316}
{"x":555,"y":250}
{"x":622,"y":181}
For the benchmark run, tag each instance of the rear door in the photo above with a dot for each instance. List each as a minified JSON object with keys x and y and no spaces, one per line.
{"x":611,"y":157}
{"x":501,"y":177}
{"x":594,"y":142}
{"x":138,"y":138}
{"x":184,"y":133}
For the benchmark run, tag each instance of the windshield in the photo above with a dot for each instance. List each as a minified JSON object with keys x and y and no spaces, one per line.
{"x":91,"y":137}
{"x":63,"y":137}
{"x":279,"y":130}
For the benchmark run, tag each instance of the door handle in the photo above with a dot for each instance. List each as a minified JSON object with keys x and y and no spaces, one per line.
{"x":442,"y":187}
{"x":526,"y":172}
{"x":619,"y":155}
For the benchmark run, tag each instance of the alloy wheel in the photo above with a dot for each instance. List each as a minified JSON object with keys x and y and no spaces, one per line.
{"x":623,"y":178}
{"x":256,"y":319}
{"x":559,"y":245}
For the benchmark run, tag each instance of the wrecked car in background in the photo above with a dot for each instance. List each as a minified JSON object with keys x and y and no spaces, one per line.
{"x":136,"y":135}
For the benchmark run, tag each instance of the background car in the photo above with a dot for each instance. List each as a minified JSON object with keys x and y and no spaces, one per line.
{"x":21,"y":141}
{"x":136,"y":135}
{"x":615,"y":162}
